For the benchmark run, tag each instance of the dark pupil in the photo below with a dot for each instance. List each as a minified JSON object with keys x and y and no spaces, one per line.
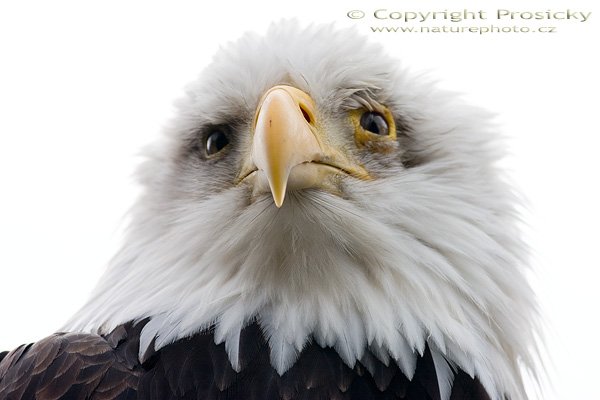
{"x":215,"y":142}
{"x":374,"y":122}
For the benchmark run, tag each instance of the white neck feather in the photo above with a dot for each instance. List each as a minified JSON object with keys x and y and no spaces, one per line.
{"x":430,"y":265}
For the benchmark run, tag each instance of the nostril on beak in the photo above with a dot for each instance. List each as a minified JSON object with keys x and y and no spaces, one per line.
{"x":305,"y":114}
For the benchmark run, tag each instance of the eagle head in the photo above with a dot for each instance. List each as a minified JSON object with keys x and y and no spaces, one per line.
{"x":312,"y":186}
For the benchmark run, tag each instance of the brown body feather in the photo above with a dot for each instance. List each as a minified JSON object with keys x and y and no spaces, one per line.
{"x":87,"y":366}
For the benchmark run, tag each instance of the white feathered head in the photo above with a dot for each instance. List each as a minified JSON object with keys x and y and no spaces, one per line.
{"x":309,"y":184}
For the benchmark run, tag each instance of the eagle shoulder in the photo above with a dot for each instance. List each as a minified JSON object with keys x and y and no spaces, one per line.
{"x":73,"y":366}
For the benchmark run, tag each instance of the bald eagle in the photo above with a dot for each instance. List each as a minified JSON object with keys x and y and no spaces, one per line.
{"x":315,"y":224}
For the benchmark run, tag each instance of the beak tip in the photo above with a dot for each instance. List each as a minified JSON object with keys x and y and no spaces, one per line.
{"x":279,"y":200}
{"x":278,"y":186}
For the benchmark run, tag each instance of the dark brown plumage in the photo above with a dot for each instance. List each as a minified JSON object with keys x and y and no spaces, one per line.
{"x":84,"y":366}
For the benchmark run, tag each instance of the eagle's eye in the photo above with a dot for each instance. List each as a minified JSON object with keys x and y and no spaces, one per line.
{"x":374,"y":122}
{"x":374,"y":129}
{"x":215,"y":142}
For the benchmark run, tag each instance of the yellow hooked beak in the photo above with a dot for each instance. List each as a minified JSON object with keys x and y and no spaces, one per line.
{"x":289,"y":149}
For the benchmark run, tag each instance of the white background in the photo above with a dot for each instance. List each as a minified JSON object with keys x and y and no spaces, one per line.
{"x":85,"y":85}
